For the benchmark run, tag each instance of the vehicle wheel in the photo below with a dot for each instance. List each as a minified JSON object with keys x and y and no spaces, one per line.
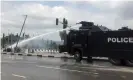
{"x":77,"y":56}
{"x":115,"y":61}
{"x":129,"y":62}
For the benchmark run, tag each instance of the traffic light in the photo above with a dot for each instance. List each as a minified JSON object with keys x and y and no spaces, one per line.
{"x":57,"y":21}
{"x":64,"y":20}
{"x":65,"y":23}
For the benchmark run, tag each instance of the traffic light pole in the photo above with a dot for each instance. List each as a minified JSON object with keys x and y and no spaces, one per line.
{"x":65,"y":25}
{"x":65,"y":22}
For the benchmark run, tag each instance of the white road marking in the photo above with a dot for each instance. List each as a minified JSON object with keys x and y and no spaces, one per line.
{"x":92,"y":66}
{"x":117,"y":69}
{"x":109,"y":68}
{"x":97,"y":68}
{"x":18,"y":76}
{"x":87,"y":65}
{"x":58,"y":68}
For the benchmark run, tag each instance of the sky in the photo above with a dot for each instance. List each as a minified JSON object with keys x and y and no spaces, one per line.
{"x":42,"y":14}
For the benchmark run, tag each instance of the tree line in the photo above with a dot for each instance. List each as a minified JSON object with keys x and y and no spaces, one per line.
{"x":13,"y":38}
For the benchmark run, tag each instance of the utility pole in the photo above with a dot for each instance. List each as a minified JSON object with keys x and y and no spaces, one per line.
{"x":11,"y":42}
{"x":4,"y":41}
{"x":51,"y":46}
{"x":63,"y":33}
{"x":8,"y":38}
{"x":21,"y":30}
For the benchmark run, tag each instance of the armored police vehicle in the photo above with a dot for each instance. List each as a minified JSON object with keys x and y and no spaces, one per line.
{"x":92,"y":41}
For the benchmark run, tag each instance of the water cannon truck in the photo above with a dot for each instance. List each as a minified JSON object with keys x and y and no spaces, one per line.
{"x":97,"y":41}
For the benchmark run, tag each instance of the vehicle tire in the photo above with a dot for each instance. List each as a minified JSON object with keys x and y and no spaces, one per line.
{"x":77,"y":56}
{"x":129,"y":62}
{"x":115,"y":61}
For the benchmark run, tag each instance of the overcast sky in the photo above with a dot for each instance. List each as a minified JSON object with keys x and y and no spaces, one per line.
{"x":42,"y":14}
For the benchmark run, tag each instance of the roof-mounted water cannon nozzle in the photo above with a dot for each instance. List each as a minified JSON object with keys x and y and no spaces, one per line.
{"x":86,"y":25}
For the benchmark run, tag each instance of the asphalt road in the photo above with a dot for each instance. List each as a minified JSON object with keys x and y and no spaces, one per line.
{"x":34,"y":68}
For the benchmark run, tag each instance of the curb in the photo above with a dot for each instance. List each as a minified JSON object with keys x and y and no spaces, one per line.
{"x":3,"y":53}
{"x":39,"y":56}
{"x":52,"y":56}
{"x":29,"y":55}
{"x":66,"y":57}
{"x":20,"y":54}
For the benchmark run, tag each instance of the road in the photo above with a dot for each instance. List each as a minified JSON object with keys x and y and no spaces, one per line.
{"x":14,"y":67}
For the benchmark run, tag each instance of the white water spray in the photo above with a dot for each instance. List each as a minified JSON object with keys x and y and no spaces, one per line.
{"x":26,"y":40}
